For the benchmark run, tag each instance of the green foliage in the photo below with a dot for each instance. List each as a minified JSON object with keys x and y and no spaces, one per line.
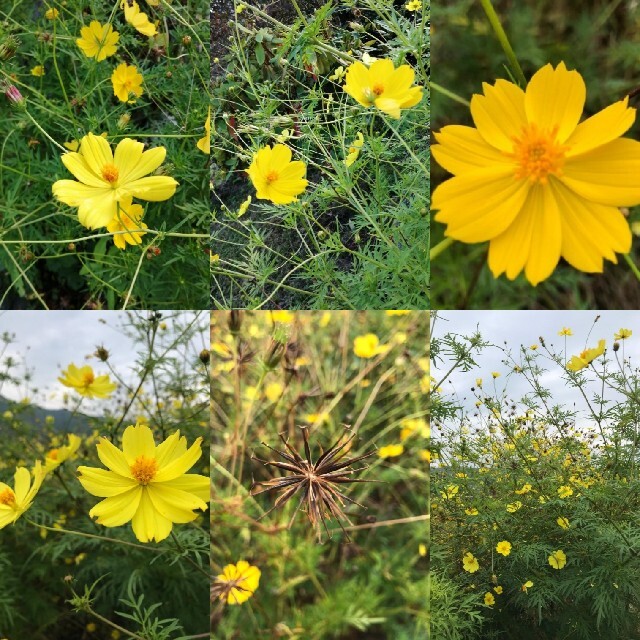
{"x":47,"y":258}
{"x":359,"y":236}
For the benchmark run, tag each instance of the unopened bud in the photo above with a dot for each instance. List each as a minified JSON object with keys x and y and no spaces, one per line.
{"x":102,"y":354}
{"x":205,"y":356}
{"x":14,"y":96}
{"x":616,"y":346}
{"x":274,"y":354}
{"x":235,"y":322}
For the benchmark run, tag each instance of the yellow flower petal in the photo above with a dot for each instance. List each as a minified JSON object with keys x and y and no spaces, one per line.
{"x":117,"y":510}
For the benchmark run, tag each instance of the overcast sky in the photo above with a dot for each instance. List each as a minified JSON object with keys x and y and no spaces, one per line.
{"x":47,"y":342}
{"x":523,"y":328}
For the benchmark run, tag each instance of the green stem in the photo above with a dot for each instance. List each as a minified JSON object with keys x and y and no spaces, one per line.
{"x":441,"y":247}
{"x":632,"y":265}
{"x":449,"y":94}
{"x":504,"y":41}
{"x":44,"y":133}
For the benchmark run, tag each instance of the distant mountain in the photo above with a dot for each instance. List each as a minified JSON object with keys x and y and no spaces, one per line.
{"x":33,"y":415}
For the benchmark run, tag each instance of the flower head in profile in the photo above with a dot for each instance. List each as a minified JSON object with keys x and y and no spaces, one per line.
{"x":469,"y":563}
{"x":586,"y":357}
{"x":557,"y":559}
{"x":383,"y":86}
{"x":204,"y":144}
{"x":146,"y":484}
{"x":527,"y":585}
{"x":368,"y":346}
{"x":413,"y":5}
{"x":354,"y":149}
{"x":55,"y":457}
{"x":14,"y":502}
{"x":275,"y":176}
{"x":127,"y":82}
{"x":86,"y":383}
{"x":137,"y":19}
{"x":623,"y":334}
{"x":565,"y":331}
{"x":106,"y":178}
{"x":129,"y":219}
{"x":237,"y":583}
{"x":534,"y":181}
{"x":390,"y":451}
{"x":98,"y":41}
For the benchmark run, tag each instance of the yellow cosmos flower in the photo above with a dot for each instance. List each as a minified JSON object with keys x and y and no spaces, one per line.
{"x":527,"y":585}
{"x":85,"y":382}
{"x":469,"y":563}
{"x":414,"y":5}
{"x":106,"y":178}
{"x":557,"y":559}
{"x":242,"y":209}
{"x":285,"y":317}
{"x":51,"y":14}
{"x":498,"y":589}
{"x":204,"y":144}
{"x":580,"y":362}
{"x":238,"y":582}
{"x":129,"y":219}
{"x":504,"y":548}
{"x":471,"y":511}
{"x":565,"y":492}
{"x":450,"y":492}
{"x":98,"y":41}
{"x":495,"y":374}
{"x":489,"y":599}
{"x":146,"y":484}
{"x":563,"y":522}
{"x":275,"y":176}
{"x":525,"y":489}
{"x":565,"y":331}
{"x":37,"y":71}
{"x":137,"y":19}
{"x":623,"y":334}
{"x":354,"y":149}
{"x":367,"y":346}
{"x":383,"y":86}
{"x":391,"y":451}
{"x":126,"y":81}
{"x":14,"y":502}
{"x":56,"y":457}
{"x":514,"y":506}
{"x":536,"y":183}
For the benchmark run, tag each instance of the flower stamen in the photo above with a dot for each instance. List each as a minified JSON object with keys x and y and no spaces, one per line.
{"x":8,"y":497}
{"x":538,"y":154}
{"x":144,"y":469}
{"x":110,"y":173}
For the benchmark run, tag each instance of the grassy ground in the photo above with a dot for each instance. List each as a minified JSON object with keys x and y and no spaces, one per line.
{"x":358,"y":237}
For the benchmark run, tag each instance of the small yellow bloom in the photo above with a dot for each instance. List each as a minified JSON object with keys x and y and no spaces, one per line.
{"x":137,"y":19}
{"x":450,"y":491}
{"x":240,"y":8}
{"x":391,"y":451}
{"x":14,"y":502}
{"x":126,"y":81}
{"x":275,"y":176}
{"x":534,"y":347}
{"x":527,"y":585}
{"x":565,"y":491}
{"x":91,"y":627}
{"x":525,"y":489}
{"x":489,"y":600}
{"x":98,"y":41}
{"x":472,"y":511}
{"x":129,"y":219}
{"x":413,"y":5}
{"x":56,"y":457}
{"x":397,"y":312}
{"x":244,"y":206}
{"x":354,"y":149}
{"x":51,"y":14}
{"x":85,"y":382}
{"x":504,"y":548}
{"x":37,"y":71}
{"x":565,"y":332}
{"x":285,"y":317}
{"x":273,"y":391}
{"x":514,"y":506}
{"x":425,"y":455}
{"x":623,"y":334}
{"x":479,"y":382}
{"x":495,"y":375}
{"x":498,"y":589}
{"x":383,"y":86}
{"x":238,"y":582}
{"x":338,"y":74}
{"x":563,"y":522}
{"x":422,"y":550}
{"x":204,"y":144}
{"x":584,"y":359}
{"x":469,"y":563}
{"x":367,"y":346}
{"x":557,"y":559}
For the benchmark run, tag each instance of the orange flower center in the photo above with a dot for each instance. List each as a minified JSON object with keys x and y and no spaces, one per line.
{"x":144,"y":469}
{"x":7,"y":497}
{"x":538,"y":154}
{"x":272,"y":176}
{"x":53,"y":454}
{"x":378,"y":89}
{"x":88,"y":378}
{"x":110,"y":173}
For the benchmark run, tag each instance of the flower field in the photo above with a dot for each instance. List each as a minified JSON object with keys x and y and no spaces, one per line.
{"x":320,"y":155}
{"x":536,"y":155}
{"x":319,"y":525}
{"x":534,"y":480}
{"x":104,"y":167}
{"x":103,"y":498}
